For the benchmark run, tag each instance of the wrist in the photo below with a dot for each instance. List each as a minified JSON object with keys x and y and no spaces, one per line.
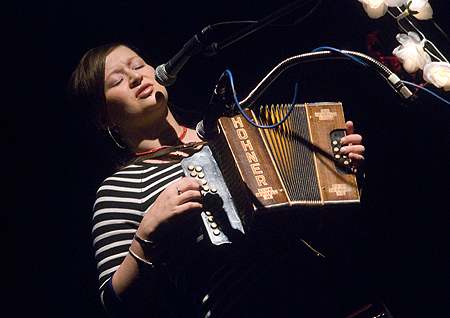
{"x":146,"y":248}
{"x":140,"y":259}
{"x":145,"y":244}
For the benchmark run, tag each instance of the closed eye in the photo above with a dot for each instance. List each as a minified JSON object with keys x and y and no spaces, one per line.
{"x":117,"y":83}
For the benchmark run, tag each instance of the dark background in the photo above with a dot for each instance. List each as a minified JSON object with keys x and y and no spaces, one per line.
{"x":54,"y":161}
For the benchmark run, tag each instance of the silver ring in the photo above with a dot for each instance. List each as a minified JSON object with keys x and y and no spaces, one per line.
{"x":179,"y":191}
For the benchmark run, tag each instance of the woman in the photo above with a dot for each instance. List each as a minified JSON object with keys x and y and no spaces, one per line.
{"x":144,"y":223}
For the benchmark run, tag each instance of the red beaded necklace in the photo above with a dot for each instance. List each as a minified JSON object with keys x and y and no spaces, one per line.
{"x":183,"y":134}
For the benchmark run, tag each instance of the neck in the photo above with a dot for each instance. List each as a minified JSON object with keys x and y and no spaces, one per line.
{"x":177,"y":141}
{"x":159,"y":134}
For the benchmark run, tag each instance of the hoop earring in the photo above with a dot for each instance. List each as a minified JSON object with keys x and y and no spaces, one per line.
{"x":115,"y":141}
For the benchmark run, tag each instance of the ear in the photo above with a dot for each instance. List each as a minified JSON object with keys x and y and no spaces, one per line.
{"x":101,"y":122}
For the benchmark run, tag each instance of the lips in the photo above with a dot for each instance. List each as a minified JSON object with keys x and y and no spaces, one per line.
{"x":144,"y":90}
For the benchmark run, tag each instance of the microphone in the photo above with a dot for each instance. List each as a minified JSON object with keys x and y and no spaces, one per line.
{"x":166,"y":74}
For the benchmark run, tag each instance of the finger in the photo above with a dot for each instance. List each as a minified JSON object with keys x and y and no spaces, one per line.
{"x":349,"y":127}
{"x":190,"y":195}
{"x":351,"y":139}
{"x":186,"y":184}
{"x":359,"y":149}
{"x":356,"y":158}
{"x":187,"y":206}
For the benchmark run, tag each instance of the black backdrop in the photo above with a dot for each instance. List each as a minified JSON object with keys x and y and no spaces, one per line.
{"x":54,"y":162}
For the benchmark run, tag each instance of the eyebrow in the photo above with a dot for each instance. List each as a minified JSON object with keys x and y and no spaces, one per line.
{"x":117,"y":69}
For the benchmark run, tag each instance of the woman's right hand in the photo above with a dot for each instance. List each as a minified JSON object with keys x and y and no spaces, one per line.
{"x":176,"y":201}
{"x":178,"y":198}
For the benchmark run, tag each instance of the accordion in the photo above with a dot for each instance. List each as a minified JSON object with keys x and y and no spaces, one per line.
{"x":249,"y":171}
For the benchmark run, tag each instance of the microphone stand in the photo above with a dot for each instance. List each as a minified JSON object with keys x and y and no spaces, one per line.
{"x":215,"y":47}
{"x":207,"y":129}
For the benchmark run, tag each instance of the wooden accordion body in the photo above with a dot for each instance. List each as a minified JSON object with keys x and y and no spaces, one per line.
{"x":295,"y":165}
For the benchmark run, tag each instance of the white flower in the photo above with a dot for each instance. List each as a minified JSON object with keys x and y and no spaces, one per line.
{"x":424,"y":9}
{"x":374,"y":8}
{"x":395,"y":3}
{"x":411,"y":52}
{"x":377,"y":8}
{"x":438,"y":74}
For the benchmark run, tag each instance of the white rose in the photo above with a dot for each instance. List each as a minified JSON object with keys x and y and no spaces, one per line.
{"x":438,"y":74}
{"x":411,"y":52}
{"x":374,"y":8}
{"x":377,"y":8}
{"x":395,"y":3}
{"x":424,"y":9}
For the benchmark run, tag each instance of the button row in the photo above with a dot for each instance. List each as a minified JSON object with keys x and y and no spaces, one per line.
{"x":197,"y":172}
{"x":343,"y":159}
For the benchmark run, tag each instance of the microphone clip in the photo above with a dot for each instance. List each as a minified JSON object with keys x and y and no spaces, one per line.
{"x":219,"y":106}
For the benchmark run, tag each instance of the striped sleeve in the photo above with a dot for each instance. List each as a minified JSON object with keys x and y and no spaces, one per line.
{"x":122,"y":201}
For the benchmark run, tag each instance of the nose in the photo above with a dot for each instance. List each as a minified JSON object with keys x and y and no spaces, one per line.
{"x":135,"y":79}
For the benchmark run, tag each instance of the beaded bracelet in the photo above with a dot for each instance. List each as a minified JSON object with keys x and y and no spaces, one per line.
{"x":140,"y":259}
{"x":145,"y":243}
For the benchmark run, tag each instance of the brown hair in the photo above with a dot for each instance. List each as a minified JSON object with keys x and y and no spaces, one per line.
{"x":86,"y":86}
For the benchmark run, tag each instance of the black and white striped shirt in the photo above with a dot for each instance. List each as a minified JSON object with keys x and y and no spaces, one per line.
{"x":121,"y":203}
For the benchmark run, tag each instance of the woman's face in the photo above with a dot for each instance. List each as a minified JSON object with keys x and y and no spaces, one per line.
{"x":133,"y":97}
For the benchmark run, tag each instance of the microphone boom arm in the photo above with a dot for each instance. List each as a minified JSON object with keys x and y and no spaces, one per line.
{"x":215,"y":47}
{"x":166,"y":74}
{"x":382,"y":70}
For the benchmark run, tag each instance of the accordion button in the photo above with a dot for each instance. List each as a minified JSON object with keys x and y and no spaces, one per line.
{"x":337,"y":156}
{"x":191,"y":167}
{"x":336,"y":149}
{"x":216,"y":232}
{"x":193,"y":174}
{"x":201,"y":175}
{"x":204,"y":181}
{"x":207,"y":213}
{"x":213,"y":225}
{"x":213,"y":189}
{"x":198,"y":168}
{"x":211,"y":219}
{"x":205,"y":188}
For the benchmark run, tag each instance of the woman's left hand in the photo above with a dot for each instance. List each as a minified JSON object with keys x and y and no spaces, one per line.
{"x":353,"y":147}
